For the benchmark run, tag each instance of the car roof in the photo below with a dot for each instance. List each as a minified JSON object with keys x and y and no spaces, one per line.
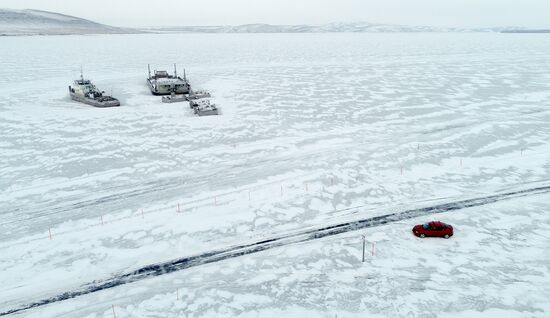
{"x":437,"y":223}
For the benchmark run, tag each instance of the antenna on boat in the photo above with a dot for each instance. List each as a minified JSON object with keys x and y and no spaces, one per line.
{"x":175,"y":71}
{"x":81,"y":75}
{"x":149,"y":69}
{"x":184,"y":76}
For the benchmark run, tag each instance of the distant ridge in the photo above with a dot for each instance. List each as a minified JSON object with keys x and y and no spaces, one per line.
{"x":37,"y":22}
{"x":527,"y":31}
{"x":356,"y":27}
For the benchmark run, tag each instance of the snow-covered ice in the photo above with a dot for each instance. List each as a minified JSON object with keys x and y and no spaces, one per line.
{"x":316,"y":129}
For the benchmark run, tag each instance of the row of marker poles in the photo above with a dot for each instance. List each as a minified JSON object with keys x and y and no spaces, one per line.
{"x":401,"y":168}
{"x":282,"y":193}
{"x":102,"y":222}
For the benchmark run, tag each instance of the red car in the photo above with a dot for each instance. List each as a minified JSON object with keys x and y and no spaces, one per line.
{"x":433,"y":229}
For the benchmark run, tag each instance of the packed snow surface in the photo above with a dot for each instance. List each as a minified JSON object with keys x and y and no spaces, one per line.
{"x":315,"y":130}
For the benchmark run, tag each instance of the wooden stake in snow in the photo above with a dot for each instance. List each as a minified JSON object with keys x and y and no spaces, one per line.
{"x":248,"y":195}
{"x":102,"y":220}
{"x":50,"y":232}
{"x":372,"y":252}
{"x":114,"y":314}
{"x":281,"y":190}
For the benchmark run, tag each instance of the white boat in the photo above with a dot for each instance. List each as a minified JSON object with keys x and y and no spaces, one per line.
{"x":85,"y":91}
{"x":173,"y":98}
{"x":198,"y":94}
{"x":203,"y":107}
{"x":162,"y":83}
{"x":193,"y":95}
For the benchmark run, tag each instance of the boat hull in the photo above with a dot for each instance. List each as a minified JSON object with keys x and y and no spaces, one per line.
{"x":184,"y":89}
{"x":174,"y":99}
{"x":207,"y":113}
{"x":94,"y":102}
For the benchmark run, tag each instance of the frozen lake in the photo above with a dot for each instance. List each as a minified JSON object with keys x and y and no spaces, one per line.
{"x":315,"y":129}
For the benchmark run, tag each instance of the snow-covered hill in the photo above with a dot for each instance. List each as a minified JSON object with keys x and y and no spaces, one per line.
{"x":36,"y":22}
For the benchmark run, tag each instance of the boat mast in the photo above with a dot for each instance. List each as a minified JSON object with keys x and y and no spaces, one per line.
{"x":149,"y":69}
{"x":184,"y":76}
{"x":175,"y":71}
{"x":81,"y":75}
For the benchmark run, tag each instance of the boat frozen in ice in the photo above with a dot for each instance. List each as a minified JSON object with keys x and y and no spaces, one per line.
{"x":173,"y":98}
{"x":85,"y":91}
{"x":203,"y":107}
{"x":162,"y":83}
{"x":198,"y":94}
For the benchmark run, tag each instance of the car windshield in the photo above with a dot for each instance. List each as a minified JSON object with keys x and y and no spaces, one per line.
{"x":425,"y":226}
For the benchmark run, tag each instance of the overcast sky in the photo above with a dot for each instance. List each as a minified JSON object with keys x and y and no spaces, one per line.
{"x":460,"y":13}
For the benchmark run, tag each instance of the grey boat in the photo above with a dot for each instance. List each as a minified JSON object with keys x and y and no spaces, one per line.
{"x":85,"y":91}
{"x":203,"y":107}
{"x":173,"y":98}
{"x":162,"y":83}
{"x":198,"y":94}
